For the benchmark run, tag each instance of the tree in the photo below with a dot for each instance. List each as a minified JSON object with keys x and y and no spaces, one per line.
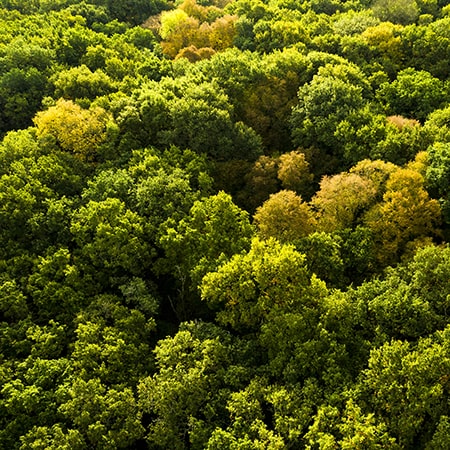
{"x":252,"y":288}
{"x":248,"y":429}
{"x":413,"y":94}
{"x":405,"y":386}
{"x":214,"y":230}
{"x":81,"y":83}
{"x":323,"y":104}
{"x":190,"y":115}
{"x":29,"y":397}
{"x":439,"y":124}
{"x":194,"y":26}
{"x":113,"y":341}
{"x":205,"y":128}
{"x":111,"y":241}
{"x":404,"y":138}
{"x":32,"y":206}
{"x":76,"y":130}
{"x":185,"y":398}
{"x":284,"y":216}
{"x":293,"y":172}
{"x":427,"y":47}
{"x":342,"y":199}
{"x":438,"y":176}
{"x":354,"y":22}
{"x":349,"y":429}
{"x":323,"y":257}
{"x":405,"y":217}
{"x":385,"y":45}
{"x":399,"y":11}
{"x":361,"y":134}
{"x":133,"y":12}
{"x":55,"y":287}
{"x":377,"y":172}
{"x":279,"y":34}
{"x":261,"y":180}
{"x":101,"y":418}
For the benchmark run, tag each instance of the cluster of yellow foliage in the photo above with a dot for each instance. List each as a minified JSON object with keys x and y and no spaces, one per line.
{"x":390,"y":201}
{"x":196,"y":32}
{"x":74,"y":129}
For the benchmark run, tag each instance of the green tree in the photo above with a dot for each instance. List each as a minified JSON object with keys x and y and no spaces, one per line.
{"x":413,"y":94}
{"x":324,"y":256}
{"x":133,"y":12}
{"x":323,"y":104}
{"x":214,"y":230}
{"x":351,"y":429}
{"x":55,"y":287}
{"x":438,"y":176}
{"x":21,"y":93}
{"x":41,"y":181}
{"x":81,"y":83}
{"x":100,"y":417}
{"x":427,"y":47}
{"x":439,"y":124}
{"x":185,"y":398}
{"x":252,"y":288}
{"x":410,"y":301}
{"x":187,"y":114}
{"x":111,"y":242}
{"x":405,"y":386}
{"x":29,"y":397}
{"x":113,"y":340}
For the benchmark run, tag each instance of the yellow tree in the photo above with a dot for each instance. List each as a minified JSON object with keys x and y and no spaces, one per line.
{"x":384,"y":41}
{"x":191,"y":27}
{"x":76,"y":130}
{"x":284,"y":216}
{"x":178,"y":31}
{"x":406,"y":218}
{"x":341,"y":199}
{"x":377,"y":172}
{"x":293,"y":172}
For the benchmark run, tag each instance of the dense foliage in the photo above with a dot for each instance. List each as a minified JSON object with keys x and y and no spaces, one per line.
{"x":224,"y":224}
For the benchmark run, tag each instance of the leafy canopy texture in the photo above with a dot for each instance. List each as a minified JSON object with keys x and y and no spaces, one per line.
{"x":224,"y":225}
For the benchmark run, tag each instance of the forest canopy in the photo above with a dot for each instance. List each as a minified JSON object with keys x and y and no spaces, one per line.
{"x":224,"y":224}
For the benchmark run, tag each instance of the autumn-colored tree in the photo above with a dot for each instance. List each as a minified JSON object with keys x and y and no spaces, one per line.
{"x":294,"y":173}
{"x":74,"y":129}
{"x":196,"y":26}
{"x":377,"y":172}
{"x":284,"y":216}
{"x":341,"y":200}
{"x":261,"y":181}
{"x":406,"y":217}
